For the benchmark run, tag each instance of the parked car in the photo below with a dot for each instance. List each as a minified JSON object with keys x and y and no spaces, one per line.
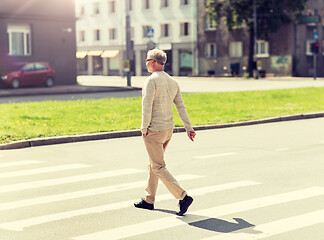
{"x":27,"y":74}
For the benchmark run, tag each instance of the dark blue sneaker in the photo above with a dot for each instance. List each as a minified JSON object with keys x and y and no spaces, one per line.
{"x":145,"y":205}
{"x":184,"y":205}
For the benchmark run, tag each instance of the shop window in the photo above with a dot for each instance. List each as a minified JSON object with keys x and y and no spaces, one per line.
{"x":97,"y":64}
{"x":114,"y":63}
{"x":185,"y":61}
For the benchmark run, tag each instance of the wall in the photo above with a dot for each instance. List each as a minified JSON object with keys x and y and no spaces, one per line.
{"x":52,"y":34}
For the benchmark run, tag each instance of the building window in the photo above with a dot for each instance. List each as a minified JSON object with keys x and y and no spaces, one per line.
{"x":184,"y":2}
{"x":82,"y":10}
{"x":146,"y":29}
{"x":210,"y":24}
{"x":184,"y":29}
{"x":131,"y":7}
{"x":164,"y":3}
{"x":96,"y":8}
{"x":236,"y":49}
{"x":97,"y":35}
{"x":165,"y":30}
{"x":19,"y":39}
{"x":262,"y":48}
{"x":147,"y":4}
{"x":112,"y":33}
{"x":211,"y":50}
{"x":82,"y":36}
{"x":112,"y":6}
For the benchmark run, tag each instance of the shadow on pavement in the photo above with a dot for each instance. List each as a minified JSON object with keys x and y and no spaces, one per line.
{"x":214,"y":224}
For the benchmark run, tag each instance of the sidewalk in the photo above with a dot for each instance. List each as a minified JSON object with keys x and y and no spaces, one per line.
{"x":93,"y":84}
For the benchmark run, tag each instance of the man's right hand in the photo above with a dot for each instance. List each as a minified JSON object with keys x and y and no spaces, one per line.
{"x":191,"y":135}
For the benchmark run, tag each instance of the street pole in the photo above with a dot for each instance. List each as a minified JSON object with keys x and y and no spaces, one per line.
{"x":314,"y":65}
{"x":128,"y":44}
{"x":255,"y":38}
{"x":315,"y":37}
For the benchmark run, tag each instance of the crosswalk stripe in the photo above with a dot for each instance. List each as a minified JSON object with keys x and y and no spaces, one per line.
{"x":18,"y":163}
{"x":277,"y":227}
{"x":21,"y":224}
{"x":79,"y":194}
{"x":42,"y":170}
{"x":65,"y":180}
{"x":216,"y":155}
{"x":168,"y":222}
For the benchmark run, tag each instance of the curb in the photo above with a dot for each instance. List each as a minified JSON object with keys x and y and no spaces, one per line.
{"x":36,"y":142}
{"x":68,"y":89}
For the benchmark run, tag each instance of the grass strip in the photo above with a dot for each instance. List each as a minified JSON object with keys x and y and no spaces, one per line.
{"x":21,"y":121}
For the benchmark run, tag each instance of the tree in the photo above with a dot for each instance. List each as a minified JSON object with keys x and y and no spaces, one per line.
{"x":271,"y":15}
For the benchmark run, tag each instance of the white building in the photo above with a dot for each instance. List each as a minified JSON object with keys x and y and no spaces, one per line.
{"x":101,"y":35}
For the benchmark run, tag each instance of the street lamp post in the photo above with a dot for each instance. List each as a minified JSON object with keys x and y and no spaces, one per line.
{"x":128,"y":44}
{"x":255,"y":38}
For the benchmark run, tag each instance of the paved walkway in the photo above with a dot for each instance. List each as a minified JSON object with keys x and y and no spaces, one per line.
{"x":93,"y":84}
{"x":210,"y":84}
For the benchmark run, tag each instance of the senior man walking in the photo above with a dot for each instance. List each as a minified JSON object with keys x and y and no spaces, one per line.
{"x":160,"y":91}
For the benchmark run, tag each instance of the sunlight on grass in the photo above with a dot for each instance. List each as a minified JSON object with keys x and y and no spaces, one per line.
{"x":54,"y":118}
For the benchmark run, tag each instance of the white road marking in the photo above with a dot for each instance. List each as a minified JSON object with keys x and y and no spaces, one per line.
{"x":282,"y":149}
{"x":216,"y":155}
{"x":65,"y":180}
{"x":18,"y":163}
{"x":42,"y":170}
{"x":23,"y":223}
{"x":79,"y":194}
{"x":277,"y":227}
{"x":168,"y":222}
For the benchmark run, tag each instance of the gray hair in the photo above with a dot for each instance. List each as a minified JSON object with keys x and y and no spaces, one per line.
{"x":158,"y":55}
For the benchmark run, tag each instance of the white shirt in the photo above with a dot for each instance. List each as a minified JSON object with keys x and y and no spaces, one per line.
{"x":159,"y":92}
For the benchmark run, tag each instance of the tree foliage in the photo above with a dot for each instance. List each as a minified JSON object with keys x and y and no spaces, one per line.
{"x":271,"y":14}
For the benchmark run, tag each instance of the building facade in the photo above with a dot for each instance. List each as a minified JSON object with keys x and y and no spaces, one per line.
{"x":40,"y":30}
{"x":286,"y":53}
{"x":169,"y":25}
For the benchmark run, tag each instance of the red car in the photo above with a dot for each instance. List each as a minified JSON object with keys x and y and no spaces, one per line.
{"x":27,"y":74}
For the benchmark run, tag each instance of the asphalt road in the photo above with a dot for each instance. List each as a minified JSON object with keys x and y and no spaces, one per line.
{"x":253,"y":182}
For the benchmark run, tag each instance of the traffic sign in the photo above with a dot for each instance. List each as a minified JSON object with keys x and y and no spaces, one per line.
{"x":315,"y":35}
{"x":149,"y":32}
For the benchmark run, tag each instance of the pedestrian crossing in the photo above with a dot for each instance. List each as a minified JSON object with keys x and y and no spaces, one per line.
{"x":134,"y":179}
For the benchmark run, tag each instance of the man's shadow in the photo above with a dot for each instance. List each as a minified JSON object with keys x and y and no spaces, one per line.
{"x":214,"y":224}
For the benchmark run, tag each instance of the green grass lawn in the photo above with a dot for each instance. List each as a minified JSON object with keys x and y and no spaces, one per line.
{"x":21,"y":121}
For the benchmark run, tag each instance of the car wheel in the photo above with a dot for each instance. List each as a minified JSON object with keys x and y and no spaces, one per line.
{"x":49,"y":82}
{"x":15,"y":83}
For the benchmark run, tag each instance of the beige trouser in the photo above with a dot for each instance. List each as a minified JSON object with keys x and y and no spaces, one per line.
{"x":156,"y":143}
